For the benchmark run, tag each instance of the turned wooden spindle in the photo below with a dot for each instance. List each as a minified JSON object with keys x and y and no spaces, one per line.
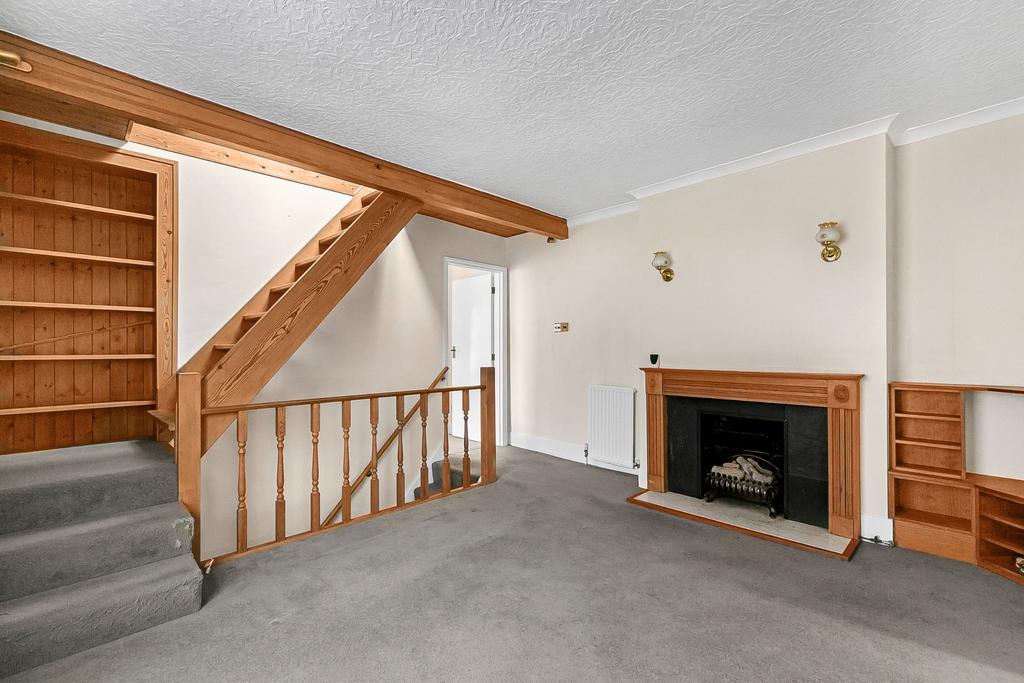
{"x":314,"y":491}
{"x":424,"y":474}
{"x":400,"y":475}
{"x":346,"y":485}
{"x":446,"y":468}
{"x":374,"y":483}
{"x":279,"y":504}
{"x":465,"y":439}
{"x":242,"y":514}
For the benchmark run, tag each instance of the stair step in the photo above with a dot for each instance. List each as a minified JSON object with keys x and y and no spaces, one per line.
{"x":46,"y":626}
{"x":432,"y":488}
{"x":43,"y":559}
{"x":223,"y":348}
{"x":253,"y":317}
{"x":367,"y":198}
{"x":281,"y":289}
{"x":305,"y":263}
{"x":455,"y":463}
{"x":68,"y":485}
{"x":326,"y":242}
{"x":167,"y":417}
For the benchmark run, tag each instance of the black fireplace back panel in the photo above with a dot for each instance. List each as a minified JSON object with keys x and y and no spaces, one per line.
{"x":806,"y":457}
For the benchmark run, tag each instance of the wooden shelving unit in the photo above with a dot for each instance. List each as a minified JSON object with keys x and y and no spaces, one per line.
{"x":937,"y":506}
{"x":87,"y":254}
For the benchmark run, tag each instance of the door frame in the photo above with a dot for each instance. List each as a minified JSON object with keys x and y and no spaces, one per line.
{"x":501,"y":371}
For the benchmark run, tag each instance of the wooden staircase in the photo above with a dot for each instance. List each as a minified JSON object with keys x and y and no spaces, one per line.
{"x":241,"y":357}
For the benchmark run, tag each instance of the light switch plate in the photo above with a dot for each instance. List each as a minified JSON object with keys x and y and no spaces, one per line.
{"x":561,"y":327}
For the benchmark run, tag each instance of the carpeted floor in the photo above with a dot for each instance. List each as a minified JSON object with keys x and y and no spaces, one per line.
{"x":550,"y":575}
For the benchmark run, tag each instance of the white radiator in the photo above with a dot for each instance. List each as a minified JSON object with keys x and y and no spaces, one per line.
{"x":610,"y":426}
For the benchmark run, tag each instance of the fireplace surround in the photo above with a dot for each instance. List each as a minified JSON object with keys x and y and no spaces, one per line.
{"x":837,"y":394}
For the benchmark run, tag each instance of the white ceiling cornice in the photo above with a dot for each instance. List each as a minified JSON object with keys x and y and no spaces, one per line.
{"x":888,"y":125}
{"x":815,"y":144}
{"x":602,"y":214}
{"x":978,"y":117}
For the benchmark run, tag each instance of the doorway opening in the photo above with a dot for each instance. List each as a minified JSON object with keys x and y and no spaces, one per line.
{"x":475,"y":336}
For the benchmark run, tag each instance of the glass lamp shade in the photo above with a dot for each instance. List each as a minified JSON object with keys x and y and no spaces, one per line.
{"x":660,"y":260}
{"x":827,"y":233}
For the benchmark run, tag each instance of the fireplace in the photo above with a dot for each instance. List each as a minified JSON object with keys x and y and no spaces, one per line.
{"x":819,"y":415}
{"x":788,"y":443}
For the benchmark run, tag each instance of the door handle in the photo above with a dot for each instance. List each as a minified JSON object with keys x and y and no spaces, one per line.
{"x":453,"y":352}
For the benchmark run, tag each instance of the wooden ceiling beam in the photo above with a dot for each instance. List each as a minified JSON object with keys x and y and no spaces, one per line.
{"x":180,"y":144}
{"x":65,"y":89}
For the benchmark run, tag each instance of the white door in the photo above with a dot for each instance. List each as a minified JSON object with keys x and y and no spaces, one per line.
{"x":472,"y":345}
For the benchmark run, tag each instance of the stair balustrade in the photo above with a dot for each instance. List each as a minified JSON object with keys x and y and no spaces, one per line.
{"x":189,"y":446}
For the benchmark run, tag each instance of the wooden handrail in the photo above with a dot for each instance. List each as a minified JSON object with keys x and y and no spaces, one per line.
{"x":188,"y":438}
{"x":361,"y":477}
{"x":219,"y":410}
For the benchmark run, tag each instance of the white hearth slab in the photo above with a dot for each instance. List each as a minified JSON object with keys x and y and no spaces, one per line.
{"x":748,"y":516}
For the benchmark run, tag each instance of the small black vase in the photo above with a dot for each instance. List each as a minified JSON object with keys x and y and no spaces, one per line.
{"x":654,"y":359}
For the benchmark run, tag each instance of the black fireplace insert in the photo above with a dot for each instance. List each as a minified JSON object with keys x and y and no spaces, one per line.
{"x":707,"y":436}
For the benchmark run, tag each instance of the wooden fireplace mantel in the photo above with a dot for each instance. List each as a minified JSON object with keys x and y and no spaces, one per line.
{"x":839,"y":393}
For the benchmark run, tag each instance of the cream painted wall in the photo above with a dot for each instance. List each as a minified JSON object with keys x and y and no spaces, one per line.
{"x":750,"y":293}
{"x":960,"y":295}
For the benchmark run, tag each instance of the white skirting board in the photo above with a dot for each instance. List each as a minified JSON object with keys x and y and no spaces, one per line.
{"x":870,"y":527}
{"x":562,"y":449}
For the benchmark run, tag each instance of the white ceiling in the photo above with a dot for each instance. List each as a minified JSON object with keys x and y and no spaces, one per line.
{"x":561,"y":104}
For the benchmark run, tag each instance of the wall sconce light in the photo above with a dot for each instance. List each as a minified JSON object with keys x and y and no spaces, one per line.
{"x":661,"y":263}
{"x":14,"y":61}
{"x":828,"y":235}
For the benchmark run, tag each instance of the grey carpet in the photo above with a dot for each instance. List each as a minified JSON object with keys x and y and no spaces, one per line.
{"x":550,"y":575}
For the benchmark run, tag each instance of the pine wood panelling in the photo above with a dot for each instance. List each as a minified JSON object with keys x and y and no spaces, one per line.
{"x":78,"y":289}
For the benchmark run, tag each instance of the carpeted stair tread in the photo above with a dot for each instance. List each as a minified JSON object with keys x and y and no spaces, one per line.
{"x":39,"y":560}
{"x":45,"y":626}
{"x":455,"y":465}
{"x":67,"y":485}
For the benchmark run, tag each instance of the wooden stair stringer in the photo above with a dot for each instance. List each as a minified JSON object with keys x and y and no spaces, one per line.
{"x":272,"y":340}
{"x":203,"y":359}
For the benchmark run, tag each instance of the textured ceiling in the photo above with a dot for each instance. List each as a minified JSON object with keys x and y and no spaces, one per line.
{"x":561,"y":104}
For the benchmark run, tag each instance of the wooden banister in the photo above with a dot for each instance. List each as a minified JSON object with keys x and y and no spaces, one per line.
{"x":189,"y":423}
{"x":361,"y":477}
{"x":222,"y":410}
{"x":189,"y":448}
{"x":488,"y":454}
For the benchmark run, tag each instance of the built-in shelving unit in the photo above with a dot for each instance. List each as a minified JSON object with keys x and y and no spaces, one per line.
{"x":938,"y":506}
{"x":86,"y":290}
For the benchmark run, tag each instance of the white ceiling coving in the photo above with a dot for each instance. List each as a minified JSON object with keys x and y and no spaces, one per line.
{"x":565,"y":105}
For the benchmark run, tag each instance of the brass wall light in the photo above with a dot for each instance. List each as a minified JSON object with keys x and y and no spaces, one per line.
{"x":661,"y":263}
{"x":14,"y":61}
{"x":827,"y":237}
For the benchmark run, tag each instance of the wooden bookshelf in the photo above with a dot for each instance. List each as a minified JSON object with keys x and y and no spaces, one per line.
{"x":937,"y":506}
{"x":87,"y":291}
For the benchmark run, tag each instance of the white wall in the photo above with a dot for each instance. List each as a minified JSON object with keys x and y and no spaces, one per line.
{"x":960,"y":295}
{"x":750,"y":293}
{"x":386,"y":334}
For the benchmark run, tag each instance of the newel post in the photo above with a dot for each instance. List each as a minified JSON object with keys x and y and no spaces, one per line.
{"x":488,"y":464}
{"x":188,"y":447}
